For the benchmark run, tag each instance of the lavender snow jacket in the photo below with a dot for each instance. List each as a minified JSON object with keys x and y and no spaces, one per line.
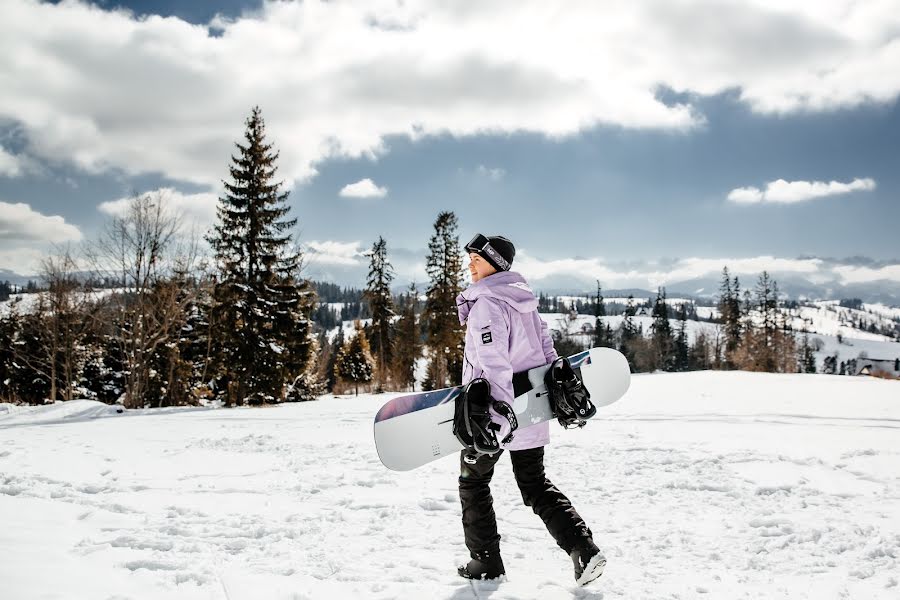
{"x":505,"y":335}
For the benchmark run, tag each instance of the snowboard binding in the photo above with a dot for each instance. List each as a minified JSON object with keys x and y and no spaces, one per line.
{"x":570,"y":401}
{"x":472,"y":424}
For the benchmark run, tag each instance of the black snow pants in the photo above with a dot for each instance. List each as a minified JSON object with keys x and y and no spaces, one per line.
{"x":554,"y":509}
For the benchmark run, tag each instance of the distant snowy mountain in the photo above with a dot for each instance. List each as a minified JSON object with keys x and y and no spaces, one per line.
{"x":883,"y":292}
{"x":14,"y":278}
{"x":792,"y":286}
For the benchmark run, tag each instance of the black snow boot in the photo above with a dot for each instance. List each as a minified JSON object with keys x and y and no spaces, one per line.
{"x":486,"y":564}
{"x":588,"y":561}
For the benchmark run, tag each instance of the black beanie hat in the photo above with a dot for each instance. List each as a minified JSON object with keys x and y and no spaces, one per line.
{"x":500,"y":244}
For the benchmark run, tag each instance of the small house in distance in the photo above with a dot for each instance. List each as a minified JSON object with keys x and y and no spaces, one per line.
{"x":878,"y":367}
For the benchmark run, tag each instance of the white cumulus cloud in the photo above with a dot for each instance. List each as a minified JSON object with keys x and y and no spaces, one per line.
{"x":330,"y":252}
{"x":854,"y":274}
{"x":194,"y":209}
{"x":104,"y":89}
{"x":790,"y":192}
{"x":10,"y":166}
{"x":649,"y":276}
{"x":365,"y":188}
{"x":23,"y":260}
{"x":19,"y":222}
{"x":492,"y":173}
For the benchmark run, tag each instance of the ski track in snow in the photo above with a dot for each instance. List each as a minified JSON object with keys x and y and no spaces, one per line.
{"x":700,"y":485}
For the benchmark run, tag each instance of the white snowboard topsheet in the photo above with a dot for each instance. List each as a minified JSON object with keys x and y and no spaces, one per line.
{"x":411,"y":440}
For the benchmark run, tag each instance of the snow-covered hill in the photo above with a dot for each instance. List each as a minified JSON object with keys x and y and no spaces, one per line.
{"x":699,"y":485}
{"x":829,"y":318}
{"x":825,"y":321}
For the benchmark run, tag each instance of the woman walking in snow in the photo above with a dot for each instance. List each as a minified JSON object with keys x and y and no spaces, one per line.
{"x":505,"y":335}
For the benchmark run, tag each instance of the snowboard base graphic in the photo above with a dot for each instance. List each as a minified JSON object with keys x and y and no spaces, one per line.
{"x":413,"y":430}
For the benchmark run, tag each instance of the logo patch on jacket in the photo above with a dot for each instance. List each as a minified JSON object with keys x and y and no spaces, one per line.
{"x":486,"y":337}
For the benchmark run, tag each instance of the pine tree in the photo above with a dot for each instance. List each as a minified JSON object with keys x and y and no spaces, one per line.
{"x":784,"y":340}
{"x":197,"y":342}
{"x":9,"y":368}
{"x":31,"y":385}
{"x":331,"y":367}
{"x":445,"y":335}
{"x":700,"y":351}
{"x":661,"y":329}
{"x":767,"y":340}
{"x":354,"y":361}
{"x":766,"y":350}
{"x":602,"y":333}
{"x":681,"y":350}
{"x":629,"y":334}
{"x":730,"y":311}
{"x":806,"y":357}
{"x":409,"y":347}
{"x":262,"y":311}
{"x":381,"y":304}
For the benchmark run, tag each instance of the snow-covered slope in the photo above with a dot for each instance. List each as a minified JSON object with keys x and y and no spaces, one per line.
{"x":828,"y":318}
{"x":852,"y":344}
{"x":699,"y":485}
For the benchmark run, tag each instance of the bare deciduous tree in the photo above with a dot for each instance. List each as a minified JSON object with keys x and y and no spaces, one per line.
{"x":60,"y":324}
{"x":144,"y":248}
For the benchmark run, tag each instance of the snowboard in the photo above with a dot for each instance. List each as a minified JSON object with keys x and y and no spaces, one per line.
{"x":413,"y":430}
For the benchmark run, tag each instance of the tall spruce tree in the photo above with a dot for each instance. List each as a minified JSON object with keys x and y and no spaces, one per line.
{"x":730,"y":311}
{"x":766,"y":347}
{"x":682,"y":360}
{"x":629,"y":334}
{"x":663,"y":340}
{"x":784,"y":340}
{"x":445,"y":335}
{"x":806,"y":356}
{"x":331,"y":364}
{"x":9,"y":368}
{"x":354,"y":360}
{"x":602,"y":332}
{"x":699,"y":356}
{"x":262,"y":306}
{"x":381,"y":304}
{"x":409,"y":348}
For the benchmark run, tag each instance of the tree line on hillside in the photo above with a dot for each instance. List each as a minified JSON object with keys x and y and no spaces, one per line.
{"x":586,"y":305}
{"x":383,"y":354}
{"x":157,"y":324}
{"x":175,"y":328}
{"x":752,"y":333}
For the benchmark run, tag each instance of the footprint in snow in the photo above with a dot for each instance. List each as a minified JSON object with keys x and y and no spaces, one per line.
{"x":433,"y":504}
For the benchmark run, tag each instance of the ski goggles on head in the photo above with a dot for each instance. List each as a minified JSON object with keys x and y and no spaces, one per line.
{"x":482,"y":246}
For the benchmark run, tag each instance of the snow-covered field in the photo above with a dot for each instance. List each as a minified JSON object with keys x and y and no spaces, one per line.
{"x":697,"y":485}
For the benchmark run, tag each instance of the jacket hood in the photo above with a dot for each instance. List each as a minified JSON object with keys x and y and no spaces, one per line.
{"x":506,"y":286}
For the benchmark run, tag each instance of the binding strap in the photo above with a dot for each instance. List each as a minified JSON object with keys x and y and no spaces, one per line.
{"x":506,"y":411}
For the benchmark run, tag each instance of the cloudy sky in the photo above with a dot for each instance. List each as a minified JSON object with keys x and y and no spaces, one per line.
{"x":641,"y":143}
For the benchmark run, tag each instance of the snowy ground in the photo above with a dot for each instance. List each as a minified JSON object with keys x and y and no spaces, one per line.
{"x":699,"y":485}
